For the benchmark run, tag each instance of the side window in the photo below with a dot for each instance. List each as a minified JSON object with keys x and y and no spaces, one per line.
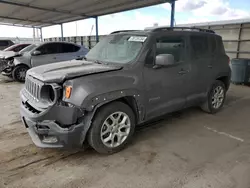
{"x":50,"y":48}
{"x":199,"y":46}
{"x":174,"y":46}
{"x":67,"y":48}
{"x":4,"y":43}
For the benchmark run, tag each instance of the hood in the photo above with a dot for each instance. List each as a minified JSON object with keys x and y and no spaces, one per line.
{"x":7,"y":54}
{"x":59,"y":72}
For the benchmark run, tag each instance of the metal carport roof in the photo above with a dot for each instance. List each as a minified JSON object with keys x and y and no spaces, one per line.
{"x":42,"y":13}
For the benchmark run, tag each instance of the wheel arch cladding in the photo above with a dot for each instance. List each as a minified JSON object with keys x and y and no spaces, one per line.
{"x":131,"y":100}
{"x":128,"y":100}
{"x":225,"y":80}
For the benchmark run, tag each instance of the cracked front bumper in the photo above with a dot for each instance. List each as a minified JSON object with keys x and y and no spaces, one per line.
{"x":57,"y":122}
{"x":65,"y":138}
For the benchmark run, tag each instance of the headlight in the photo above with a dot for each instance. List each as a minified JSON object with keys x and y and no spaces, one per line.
{"x":11,"y":62}
{"x":47,"y":93}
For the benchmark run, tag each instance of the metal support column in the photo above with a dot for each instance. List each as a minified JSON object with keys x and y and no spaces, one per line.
{"x":172,"y":13}
{"x":239,"y":41}
{"x":96,"y":29}
{"x":61,"y":32}
{"x":41,"y":34}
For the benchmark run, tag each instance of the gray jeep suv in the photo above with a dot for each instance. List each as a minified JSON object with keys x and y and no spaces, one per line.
{"x":128,"y":78}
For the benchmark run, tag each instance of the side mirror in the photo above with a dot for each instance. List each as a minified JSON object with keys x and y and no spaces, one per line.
{"x":36,"y":52}
{"x":162,"y":60}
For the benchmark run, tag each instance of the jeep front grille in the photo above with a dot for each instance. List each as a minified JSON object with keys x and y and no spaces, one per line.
{"x":33,"y":87}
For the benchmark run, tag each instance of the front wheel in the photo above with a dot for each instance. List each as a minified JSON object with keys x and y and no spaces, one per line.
{"x":19,"y":73}
{"x":216,"y":98}
{"x":112,"y":128}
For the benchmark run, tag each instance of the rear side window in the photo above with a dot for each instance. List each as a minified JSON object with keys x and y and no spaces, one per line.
{"x":199,"y":45}
{"x":4,"y":43}
{"x":67,"y":48}
{"x":174,"y":47}
{"x":50,"y":48}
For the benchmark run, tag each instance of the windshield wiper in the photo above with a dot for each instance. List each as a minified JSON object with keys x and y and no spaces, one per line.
{"x":98,"y":62}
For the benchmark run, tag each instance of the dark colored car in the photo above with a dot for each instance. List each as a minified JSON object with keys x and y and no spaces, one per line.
{"x":127,"y":79}
{"x":5,"y":43}
{"x":16,"y":47}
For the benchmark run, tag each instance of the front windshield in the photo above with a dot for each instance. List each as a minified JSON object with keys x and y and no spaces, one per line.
{"x":121,"y":48}
{"x":9,"y":48}
{"x":28,"y":48}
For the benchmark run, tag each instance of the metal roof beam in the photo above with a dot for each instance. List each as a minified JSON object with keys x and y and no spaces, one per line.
{"x":27,"y":20}
{"x":41,"y":8}
{"x":18,"y":25}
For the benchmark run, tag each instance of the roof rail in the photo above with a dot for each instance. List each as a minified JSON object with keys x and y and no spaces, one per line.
{"x":122,"y":31}
{"x":180,"y":28}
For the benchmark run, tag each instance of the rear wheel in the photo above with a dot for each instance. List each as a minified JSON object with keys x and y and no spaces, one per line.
{"x":19,"y":73}
{"x":112,"y":128}
{"x":216,"y":98}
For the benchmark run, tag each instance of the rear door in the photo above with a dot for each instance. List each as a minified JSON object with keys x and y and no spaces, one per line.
{"x":49,"y":54}
{"x":201,"y":59}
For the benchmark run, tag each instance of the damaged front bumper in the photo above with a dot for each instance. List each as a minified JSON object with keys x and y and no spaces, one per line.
{"x":5,"y":67}
{"x":3,"y":64}
{"x":56,"y":127}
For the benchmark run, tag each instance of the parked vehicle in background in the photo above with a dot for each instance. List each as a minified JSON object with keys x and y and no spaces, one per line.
{"x":5,"y":43}
{"x":12,"y":51}
{"x":16,"y":47}
{"x":127,"y":79}
{"x":45,"y":53}
{"x":7,"y":58}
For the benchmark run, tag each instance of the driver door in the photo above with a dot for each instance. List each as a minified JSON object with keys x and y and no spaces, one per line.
{"x":49,"y":54}
{"x":164,"y":86}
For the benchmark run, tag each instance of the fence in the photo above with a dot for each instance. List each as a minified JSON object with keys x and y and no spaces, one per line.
{"x":87,"y":41}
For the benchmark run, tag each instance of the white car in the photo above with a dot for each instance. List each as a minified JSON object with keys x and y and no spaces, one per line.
{"x":45,"y":53}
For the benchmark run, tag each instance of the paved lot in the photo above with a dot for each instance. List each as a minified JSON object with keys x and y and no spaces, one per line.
{"x":190,"y":149}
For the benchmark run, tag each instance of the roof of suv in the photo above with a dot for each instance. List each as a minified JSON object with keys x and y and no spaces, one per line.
{"x":187,"y":30}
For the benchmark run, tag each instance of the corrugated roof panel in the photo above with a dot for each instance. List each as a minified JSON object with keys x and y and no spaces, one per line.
{"x":49,"y":12}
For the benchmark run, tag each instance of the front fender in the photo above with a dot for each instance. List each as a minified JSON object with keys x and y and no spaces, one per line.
{"x":22,"y":60}
{"x":89,"y":91}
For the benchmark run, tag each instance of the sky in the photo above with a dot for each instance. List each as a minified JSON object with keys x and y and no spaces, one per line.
{"x":187,"y":11}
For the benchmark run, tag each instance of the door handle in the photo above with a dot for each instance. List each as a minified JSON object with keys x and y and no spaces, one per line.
{"x":54,"y":57}
{"x":183,"y":72}
{"x":210,"y":66}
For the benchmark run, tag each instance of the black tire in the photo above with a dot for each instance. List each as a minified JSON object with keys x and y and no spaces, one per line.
{"x":17,"y":73}
{"x":207,"y":105}
{"x":94,"y":135}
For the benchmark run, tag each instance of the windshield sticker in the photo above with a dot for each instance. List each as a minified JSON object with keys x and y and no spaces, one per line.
{"x":137,"y":39}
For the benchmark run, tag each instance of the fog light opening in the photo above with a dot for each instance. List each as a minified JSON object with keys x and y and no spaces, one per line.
{"x":49,"y":139}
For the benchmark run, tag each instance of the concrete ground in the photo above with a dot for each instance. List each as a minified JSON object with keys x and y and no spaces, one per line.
{"x":188,"y":150}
